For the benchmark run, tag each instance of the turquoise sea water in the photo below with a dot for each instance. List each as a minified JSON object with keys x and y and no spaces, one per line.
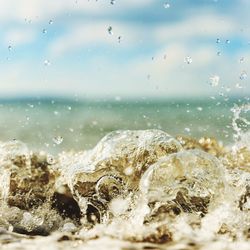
{"x":82,"y":124}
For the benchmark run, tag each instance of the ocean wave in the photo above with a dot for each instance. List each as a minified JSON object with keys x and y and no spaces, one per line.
{"x":137,"y":186}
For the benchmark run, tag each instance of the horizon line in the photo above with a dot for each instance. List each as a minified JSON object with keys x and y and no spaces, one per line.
{"x":115,"y":99}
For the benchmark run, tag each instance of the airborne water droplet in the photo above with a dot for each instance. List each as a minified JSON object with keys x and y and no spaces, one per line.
{"x":188,"y":60}
{"x":58,"y":139}
{"x":9,"y":47}
{"x":110,"y":30}
{"x":30,"y":105}
{"x":50,"y":22}
{"x":238,"y":86}
{"x":44,"y":31}
{"x":241,"y":59}
{"x":243,"y":75}
{"x":166,"y":5}
{"x":112,"y":2}
{"x":218,"y":40}
{"x":214,"y":80}
{"x":218,"y":53}
{"x":46,"y":63}
{"x":227,"y":41}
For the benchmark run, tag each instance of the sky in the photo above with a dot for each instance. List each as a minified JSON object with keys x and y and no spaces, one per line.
{"x":124,"y":48}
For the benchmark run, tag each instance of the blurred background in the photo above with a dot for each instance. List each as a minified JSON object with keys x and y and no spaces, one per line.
{"x":73,"y":70}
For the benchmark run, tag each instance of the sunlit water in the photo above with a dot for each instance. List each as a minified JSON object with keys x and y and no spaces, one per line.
{"x":134,"y":189}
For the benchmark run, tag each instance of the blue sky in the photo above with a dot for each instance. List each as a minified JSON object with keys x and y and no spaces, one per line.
{"x":165,"y":49}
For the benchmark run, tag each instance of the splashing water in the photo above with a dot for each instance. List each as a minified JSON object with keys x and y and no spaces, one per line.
{"x":135,"y":187}
{"x":240,"y":123}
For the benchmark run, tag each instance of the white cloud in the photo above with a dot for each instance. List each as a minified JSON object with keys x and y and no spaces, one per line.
{"x":196,"y":26}
{"x":134,"y":4}
{"x":43,"y":9}
{"x":46,"y":9}
{"x":86,"y":34}
{"x":171,"y":75}
{"x":16,"y":37}
{"x":102,"y":76}
{"x":95,"y":33}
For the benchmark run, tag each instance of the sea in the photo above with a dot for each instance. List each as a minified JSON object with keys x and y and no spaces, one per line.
{"x":60,"y":124}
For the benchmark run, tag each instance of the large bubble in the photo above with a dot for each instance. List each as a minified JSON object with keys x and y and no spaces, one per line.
{"x":191,"y":179}
{"x":126,"y":155}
